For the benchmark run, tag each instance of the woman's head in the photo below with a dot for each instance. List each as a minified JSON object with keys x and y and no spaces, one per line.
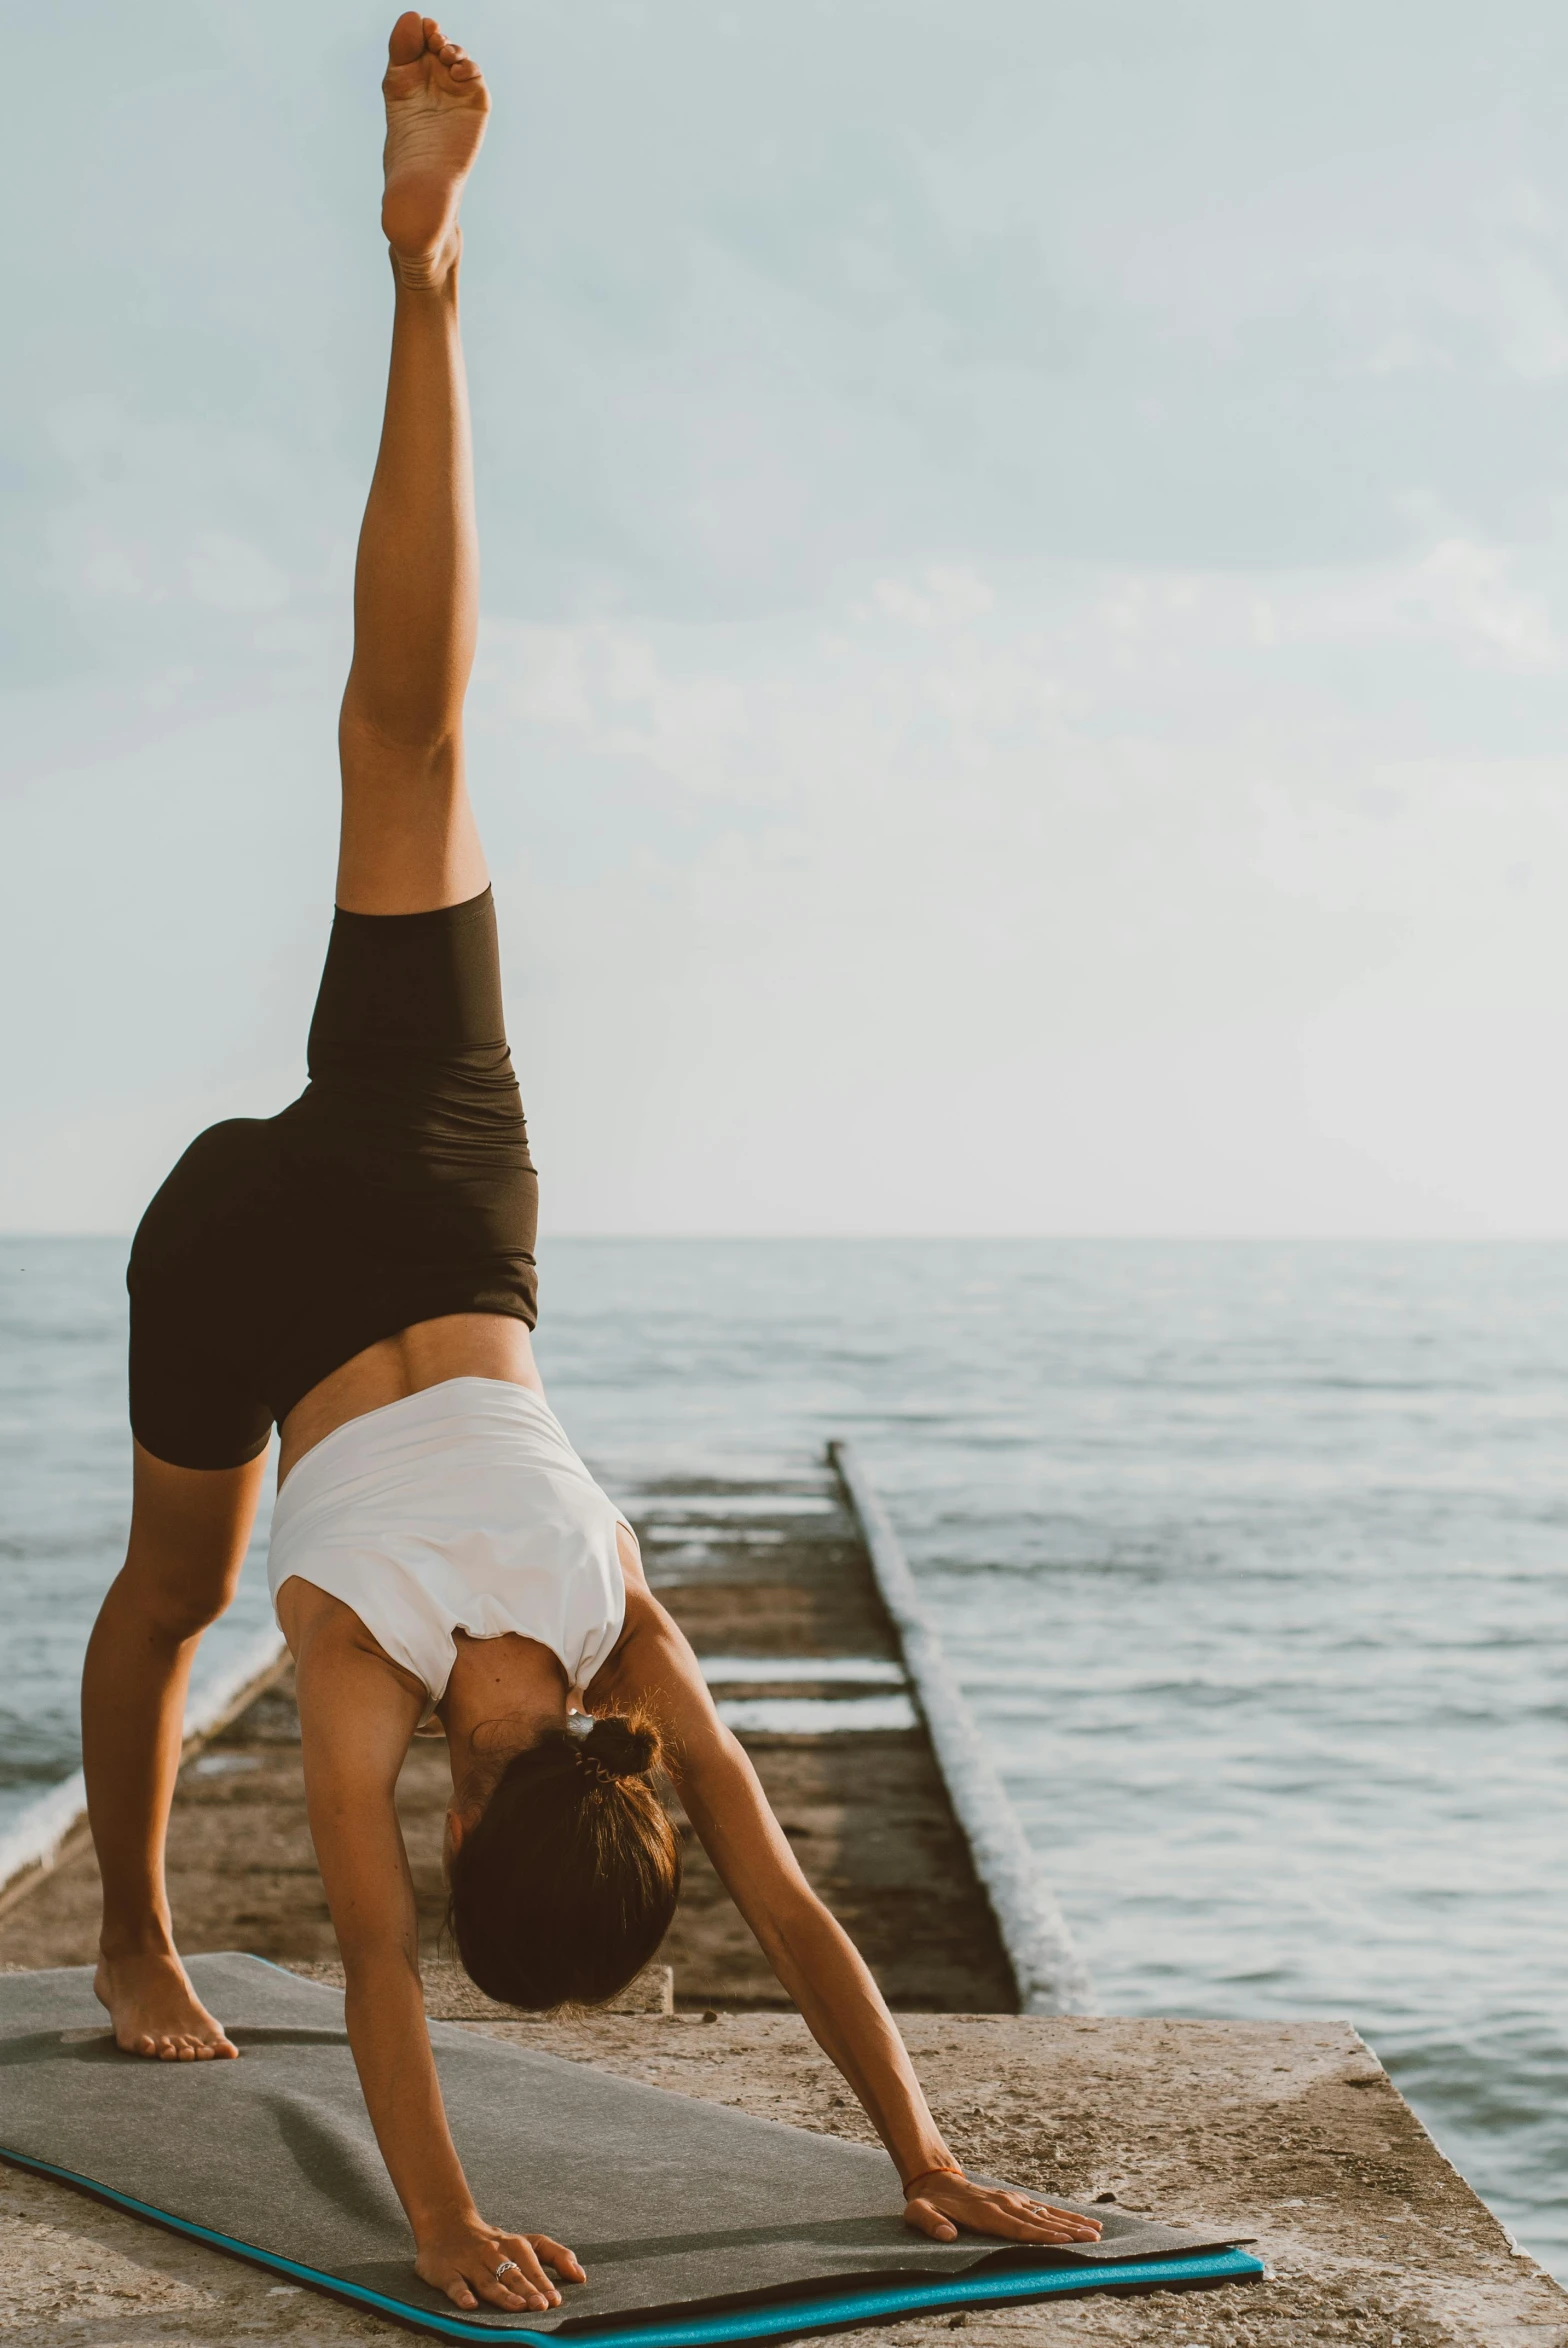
{"x":564,"y":1886}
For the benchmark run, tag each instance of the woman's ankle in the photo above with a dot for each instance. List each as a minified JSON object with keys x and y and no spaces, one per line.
{"x":429,"y":273}
{"x":121,"y":1944}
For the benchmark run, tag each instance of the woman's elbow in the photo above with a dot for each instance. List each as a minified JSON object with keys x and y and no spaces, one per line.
{"x":377,"y":1965}
{"x":800,"y":1932}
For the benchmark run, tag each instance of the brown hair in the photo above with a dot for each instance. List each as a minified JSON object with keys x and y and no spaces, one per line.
{"x":566,"y":1885}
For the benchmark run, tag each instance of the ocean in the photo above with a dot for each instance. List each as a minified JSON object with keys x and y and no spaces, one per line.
{"x":1252,"y":1557}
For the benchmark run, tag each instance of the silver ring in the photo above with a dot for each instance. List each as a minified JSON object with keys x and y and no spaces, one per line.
{"x":508,"y":2266}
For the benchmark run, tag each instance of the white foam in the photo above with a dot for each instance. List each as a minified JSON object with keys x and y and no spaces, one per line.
{"x":815,"y":1716}
{"x":757,"y":1671}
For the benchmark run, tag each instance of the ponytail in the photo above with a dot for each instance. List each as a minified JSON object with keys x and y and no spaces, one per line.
{"x":567,"y":1883}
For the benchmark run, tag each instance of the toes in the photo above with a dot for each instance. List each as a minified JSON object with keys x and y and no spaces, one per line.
{"x":178,"y":2046}
{"x":407,"y":41}
{"x":451,"y":56}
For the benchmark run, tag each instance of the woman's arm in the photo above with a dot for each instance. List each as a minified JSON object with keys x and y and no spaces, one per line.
{"x":357,"y":1714}
{"x":811,"y":1953}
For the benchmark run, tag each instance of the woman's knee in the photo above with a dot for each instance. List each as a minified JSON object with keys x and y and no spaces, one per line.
{"x":190,"y":1528}
{"x":170,"y":1599}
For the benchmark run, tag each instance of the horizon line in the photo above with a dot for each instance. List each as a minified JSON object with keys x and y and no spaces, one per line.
{"x":961,"y":1238}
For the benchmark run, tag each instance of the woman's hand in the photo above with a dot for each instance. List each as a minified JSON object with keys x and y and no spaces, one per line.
{"x":461,"y":2255}
{"x":943,"y":2200}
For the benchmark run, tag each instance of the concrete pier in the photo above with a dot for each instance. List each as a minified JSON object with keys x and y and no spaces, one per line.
{"x":773,"y":1578}
{"x":1292,"y":2131}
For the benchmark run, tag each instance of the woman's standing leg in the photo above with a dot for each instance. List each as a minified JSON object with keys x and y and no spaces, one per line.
{"x":408,"y":842}
{"x":189,"y":1531}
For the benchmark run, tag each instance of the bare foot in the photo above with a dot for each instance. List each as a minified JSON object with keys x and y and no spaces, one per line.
{"x":156,"y":2012}
{"x":436,"y":108}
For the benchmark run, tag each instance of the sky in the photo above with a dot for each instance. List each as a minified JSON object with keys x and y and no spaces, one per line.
{"x":1024,"y":674}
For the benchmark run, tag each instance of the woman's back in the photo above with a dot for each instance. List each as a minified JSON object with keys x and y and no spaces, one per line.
{"x":460,"y":1508}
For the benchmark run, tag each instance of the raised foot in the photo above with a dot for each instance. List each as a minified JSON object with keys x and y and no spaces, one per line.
{"x":156,"y":2012}
{"x":436,"y":108}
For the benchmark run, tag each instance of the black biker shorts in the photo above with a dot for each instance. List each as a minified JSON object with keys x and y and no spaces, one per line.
{"x":398,"y":1187}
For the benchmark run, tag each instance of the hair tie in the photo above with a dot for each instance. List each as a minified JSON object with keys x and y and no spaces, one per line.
{"x":616,"y":1747}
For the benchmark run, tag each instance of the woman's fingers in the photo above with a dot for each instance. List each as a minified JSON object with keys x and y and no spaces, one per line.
{"x":1023,"y":2220}
{"x":1016,"y":2217}
{"x":556,"y":2254}
{"x":465,"y":2269}
{"x":926,"y":2218}
{"x":527,"y":2280}
{"x":517,"y":2293}
{"x":471,"y":2277}
{"x":1070,"y":2224}
{"x":467,"y":2290}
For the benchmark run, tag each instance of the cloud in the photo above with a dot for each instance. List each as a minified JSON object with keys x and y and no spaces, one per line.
{"x":1061,"y":854}
{"x":1022,"y":683}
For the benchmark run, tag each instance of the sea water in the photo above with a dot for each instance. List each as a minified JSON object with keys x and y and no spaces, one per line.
{"x":1253,"y":1558}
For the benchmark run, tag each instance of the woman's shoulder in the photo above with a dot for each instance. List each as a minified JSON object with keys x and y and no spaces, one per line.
{"x":651,"y":1664}
{"x":357,"y":1708}
{"x":323,"y":1627}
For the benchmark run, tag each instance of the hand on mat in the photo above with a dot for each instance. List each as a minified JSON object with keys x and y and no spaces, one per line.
{"x":942,"y":2203}
{"x":461,"y":2258}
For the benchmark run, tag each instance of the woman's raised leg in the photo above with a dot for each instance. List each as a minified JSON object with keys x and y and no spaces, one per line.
{"x":408,"y":841}
{"x":189,"y":1531}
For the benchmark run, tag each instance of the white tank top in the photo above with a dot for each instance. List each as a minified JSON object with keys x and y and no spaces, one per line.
{"x":462,"y":1507}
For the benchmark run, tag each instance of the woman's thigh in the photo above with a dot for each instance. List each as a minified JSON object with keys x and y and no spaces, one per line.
{"x":190,"y":1529}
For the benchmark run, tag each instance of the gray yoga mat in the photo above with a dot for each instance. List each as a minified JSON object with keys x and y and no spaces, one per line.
{"x":696,"y":2223}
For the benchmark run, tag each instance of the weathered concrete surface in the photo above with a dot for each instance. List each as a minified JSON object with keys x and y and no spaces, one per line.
{"x":785,"y":1573}
{"x":868,"y":1814}
{"x":1292,"y":2131}
{"x":451,"y":1997}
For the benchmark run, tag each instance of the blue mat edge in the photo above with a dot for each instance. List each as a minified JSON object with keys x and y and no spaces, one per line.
{"x":768,"y":2321}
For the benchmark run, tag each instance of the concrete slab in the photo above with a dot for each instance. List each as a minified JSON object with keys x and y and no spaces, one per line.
{"x":1292,"y":2130}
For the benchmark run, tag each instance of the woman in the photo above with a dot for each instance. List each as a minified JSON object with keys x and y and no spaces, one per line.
{"x":359,"y":1270}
